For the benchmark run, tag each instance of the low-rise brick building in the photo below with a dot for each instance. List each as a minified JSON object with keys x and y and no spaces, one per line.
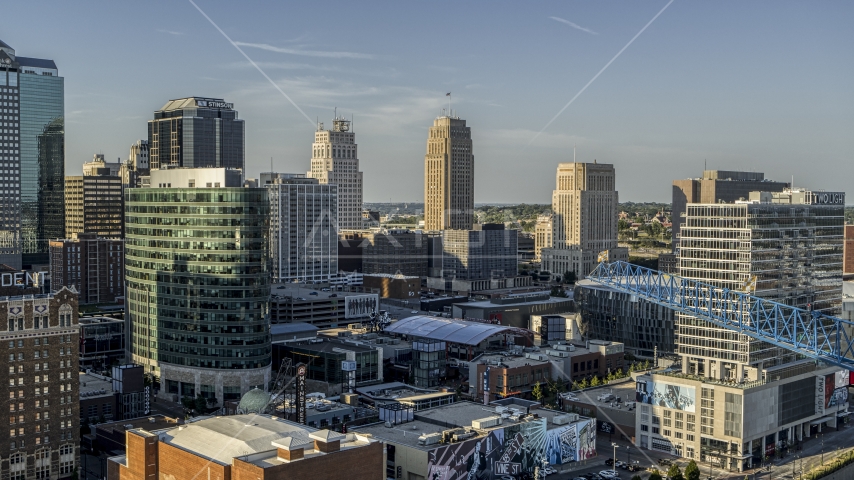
{"x":244,"y":447}
{"x":40,"y":336}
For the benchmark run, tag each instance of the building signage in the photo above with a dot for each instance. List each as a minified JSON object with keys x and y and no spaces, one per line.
{"x":146,"y":406}
{"x":360,"y":306}
{"x":301,"y":418}
{"x":504,"y":468}
{"x":33,"y":279}
{"x":348,"y":365}
{"x":828,"y":198}
{"x":512,"y":448}
{"x":213,"y":104}
{"x":486,"y":386}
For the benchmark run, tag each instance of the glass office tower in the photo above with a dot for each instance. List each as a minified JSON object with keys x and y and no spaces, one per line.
{"x":32,"y":158}
{"x":198,"y":283}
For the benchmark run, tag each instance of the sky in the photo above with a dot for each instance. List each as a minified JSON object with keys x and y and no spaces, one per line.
{"x":757,"y":86}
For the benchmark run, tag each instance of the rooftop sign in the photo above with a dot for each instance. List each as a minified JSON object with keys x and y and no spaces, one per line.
{"x":214,"y":104}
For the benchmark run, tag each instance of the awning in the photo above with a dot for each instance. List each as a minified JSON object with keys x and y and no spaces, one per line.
{"x":821,"y":420}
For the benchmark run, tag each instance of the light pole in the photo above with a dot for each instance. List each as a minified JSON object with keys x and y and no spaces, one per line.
{"x":629,"y":455}
{"x":822,"y":448}
{"x":614,"y":444}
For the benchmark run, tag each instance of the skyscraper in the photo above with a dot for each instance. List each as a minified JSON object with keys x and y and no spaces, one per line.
{"x":303,"y":233}
{"x":584,"y":221}
{"x":198,"y":286}
{"x":449,"y":176}
{"x":93,"y":201}
{"x":32,"y":158}
{"x":196,"y":132}
{"x":736,"y":400}
{"x":335,"y":160}
{"x":716,"y":186}
{"x":136,"y":166}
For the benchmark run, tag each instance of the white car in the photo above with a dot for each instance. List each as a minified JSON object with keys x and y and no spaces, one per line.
{"x":609,"y":474}
{"x":414,"y":311}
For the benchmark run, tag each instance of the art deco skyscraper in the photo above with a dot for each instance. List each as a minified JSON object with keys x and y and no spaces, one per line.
{"x":32,"y":158}
{"x":449,"y":176}
{"x":335,"y":160}
{"x":584,"y":204}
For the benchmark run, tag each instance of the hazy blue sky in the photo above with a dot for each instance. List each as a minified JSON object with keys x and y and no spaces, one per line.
{"x":743,"y":85}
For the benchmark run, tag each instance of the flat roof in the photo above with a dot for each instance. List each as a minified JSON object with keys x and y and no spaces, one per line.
{"x":446,"y":329}
{"x":510,"y":361}
{"x":160,"y":422}
{"x":490,"y":304}
{"x":297,"y":290}
{"x":439,"y":419}
{"x":92,"y":386}
{"x":327,"y":345}
{"x":291,"y":328}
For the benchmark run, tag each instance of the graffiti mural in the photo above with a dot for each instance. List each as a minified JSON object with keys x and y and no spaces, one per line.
{"x":471,"y":460}
{"x":513,"y":450}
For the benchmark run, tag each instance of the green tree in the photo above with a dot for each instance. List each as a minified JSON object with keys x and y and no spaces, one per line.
{"x":200,"y":404}
{"x":692,"y":471}
{"x":558,"y":292}
{"x":537,"y":392}
{"x":595,"y":382}
{"x":569,"y":277}
{"x":675,"y":473}
{"x":655,"y":475}
{"x":188,"y":402}
{"x":583,"y":384}
{"x":622,"y":224}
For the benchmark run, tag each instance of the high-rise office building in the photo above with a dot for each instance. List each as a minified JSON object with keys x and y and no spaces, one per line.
{"x":196,"y":132}
{"x":335,"y":160}
{"x":303,"y":227}
{"x":449,"y":176}
{"x":543,"y":235}
{"x":584,"y":221}
{"x":197,"y":280}
{"x":736,"y":400}
{"x":91,"y":265}
{"x":94,"y":202}
{"x":716,"y":186}
{"x":42,"y":335}
{"x":32,"y":158}
{"x":136,"y":166}
{"x":487,"y":251}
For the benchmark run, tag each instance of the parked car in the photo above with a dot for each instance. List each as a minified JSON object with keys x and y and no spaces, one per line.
{"x":621,"y":464}
{"x":609,"y":474}
{"x":414,"y":311}
{"x":664,"y":462}
{"x":313,"y":293}
{"x":609,"y":462}
{"x":280,"y":287}
{"x":333,"y":295}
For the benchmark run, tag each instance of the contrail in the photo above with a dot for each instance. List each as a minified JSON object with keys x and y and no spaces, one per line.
{"x":253,"y":63}
{"x":574,"y":25}
{"x":600,"y":71}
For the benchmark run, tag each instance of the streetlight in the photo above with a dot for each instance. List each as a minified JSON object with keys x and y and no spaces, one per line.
{"x":614,"y":444}
{"x":822,"y":448}
{"x":629,"y":455}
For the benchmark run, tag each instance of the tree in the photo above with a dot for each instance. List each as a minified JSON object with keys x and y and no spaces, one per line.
{"x":595,"y":382}
{"x":537,"y":392}
{"x":200,"y":404}
{"x":655,"y":475}
{"x":692,"y":471}
{"x":583,"y":384}
{"x":569,"y":277}
{"x":675,"y":473}
{"x":558,"y":292}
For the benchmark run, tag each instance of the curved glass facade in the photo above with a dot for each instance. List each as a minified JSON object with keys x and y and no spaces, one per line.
{"x":198,"y":285}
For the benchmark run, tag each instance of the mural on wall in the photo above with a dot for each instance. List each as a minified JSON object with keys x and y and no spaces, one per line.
{"x":471,"y":460}
{"x":667,"y":395}
{"x":513,"y":450}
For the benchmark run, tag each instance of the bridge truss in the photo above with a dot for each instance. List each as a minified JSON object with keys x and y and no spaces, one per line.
{"x":810,"y":333}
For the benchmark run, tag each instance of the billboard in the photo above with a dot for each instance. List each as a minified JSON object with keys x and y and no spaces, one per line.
{"x":361,"y":306}
{"x":667,"y":395}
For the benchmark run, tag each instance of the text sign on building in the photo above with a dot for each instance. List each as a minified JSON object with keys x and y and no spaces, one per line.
{"x":301,"y":418}
{"x":212,"y":104}
{"x":513,"y":448}
{"x":33,"y":279}
{"x":828,"y":198}
{"x":504,"y":468}
{"x":146,"y":406}
{"x":348,"y":365}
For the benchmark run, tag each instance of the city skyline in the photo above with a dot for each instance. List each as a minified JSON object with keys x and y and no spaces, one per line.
{"x":741,"y":88}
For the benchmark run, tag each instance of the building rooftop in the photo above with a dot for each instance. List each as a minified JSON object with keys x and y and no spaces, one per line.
{"x":296,"y":291}
{"x":298,"y":329}
{"x":93,"y":385}
{"x":253,"y":437}
{"x":445,"y":329}
{"x":508,"y":361}
{"x":392,"y":391}
{"x":328,"y":345}
{"x":454,"y":415}
{"x":151,"y":423}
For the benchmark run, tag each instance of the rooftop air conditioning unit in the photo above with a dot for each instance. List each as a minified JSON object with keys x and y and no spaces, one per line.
{"x":463,"y":436}
{"x":430,"y":439}
{"x":560,"y":419}
{"x":485,"y":423}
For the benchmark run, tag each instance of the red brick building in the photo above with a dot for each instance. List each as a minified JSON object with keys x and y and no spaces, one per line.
{"x":39,"y":335}
{"x":247,"y":447}
{"x":92,"y":265}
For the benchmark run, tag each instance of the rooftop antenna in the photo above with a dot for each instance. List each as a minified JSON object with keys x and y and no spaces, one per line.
{"x":336,"y":112}
{"x":449,"y":103}
{"x":573,"y":153}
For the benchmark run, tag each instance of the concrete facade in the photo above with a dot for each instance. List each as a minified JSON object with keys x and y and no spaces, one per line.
{"x":449,"y":176}
{"x":335,"y":161}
